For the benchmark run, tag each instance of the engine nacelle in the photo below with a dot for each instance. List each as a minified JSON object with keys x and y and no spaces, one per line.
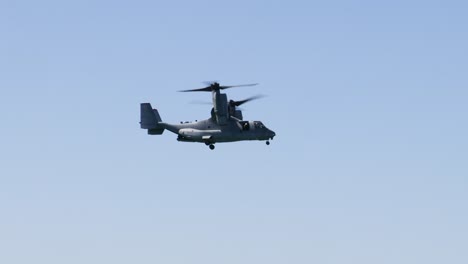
{"x":220,"y":104}
{"x":238,"y":114}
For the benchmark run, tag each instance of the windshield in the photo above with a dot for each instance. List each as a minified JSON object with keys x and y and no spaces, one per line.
{"x":258,"y":124}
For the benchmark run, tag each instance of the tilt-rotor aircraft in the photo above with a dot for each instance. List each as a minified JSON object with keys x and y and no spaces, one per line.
{"x":226,"y":123}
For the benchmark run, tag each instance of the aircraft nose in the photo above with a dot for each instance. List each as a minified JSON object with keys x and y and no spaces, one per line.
{"x":272,"y":134}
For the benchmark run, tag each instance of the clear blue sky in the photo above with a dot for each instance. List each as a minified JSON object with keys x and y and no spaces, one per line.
{"x":368,"y":100}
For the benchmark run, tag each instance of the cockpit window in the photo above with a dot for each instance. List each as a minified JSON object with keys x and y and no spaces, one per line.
{"x":245,"y":125}
{"x":258,"y":124}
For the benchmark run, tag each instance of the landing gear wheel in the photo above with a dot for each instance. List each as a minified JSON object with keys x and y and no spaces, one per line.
{"x":212,"y":146}
{"x":268,"y":142}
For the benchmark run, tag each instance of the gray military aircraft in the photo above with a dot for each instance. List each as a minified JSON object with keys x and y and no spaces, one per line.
{"x":226,"y":123}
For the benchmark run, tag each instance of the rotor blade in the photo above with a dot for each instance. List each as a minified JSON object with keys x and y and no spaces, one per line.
{"x":241,"y":102}
{"x":215,"y":86}
{"x":241,"y":85}
{"x":209,"y":83}
{"x":206,"y":89}
{"x":211,"y":87}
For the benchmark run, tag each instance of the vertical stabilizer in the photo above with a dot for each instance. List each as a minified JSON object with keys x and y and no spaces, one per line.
{"x":150,"y":119}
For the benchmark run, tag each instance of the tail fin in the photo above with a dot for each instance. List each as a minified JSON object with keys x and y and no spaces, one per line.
{"x":150,"y":119}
